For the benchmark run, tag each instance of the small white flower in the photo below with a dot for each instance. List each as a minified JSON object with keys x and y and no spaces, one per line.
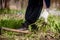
{"x":44,"y":14}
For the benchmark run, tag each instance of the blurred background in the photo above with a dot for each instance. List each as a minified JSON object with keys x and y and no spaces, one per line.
{"x":12,"y":15}
{"x":22,"y":4}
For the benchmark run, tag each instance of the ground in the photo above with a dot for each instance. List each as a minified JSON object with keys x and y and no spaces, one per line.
{"x":51,"y":31}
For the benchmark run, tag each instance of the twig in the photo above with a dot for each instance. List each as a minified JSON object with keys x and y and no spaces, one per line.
{"x":15,"y":30}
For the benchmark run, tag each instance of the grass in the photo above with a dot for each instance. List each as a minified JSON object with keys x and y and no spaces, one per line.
{"x":9,"y":11}
{"x":45,"y":32}
{"x":51,"y":31}
{"x":11,"y":23}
